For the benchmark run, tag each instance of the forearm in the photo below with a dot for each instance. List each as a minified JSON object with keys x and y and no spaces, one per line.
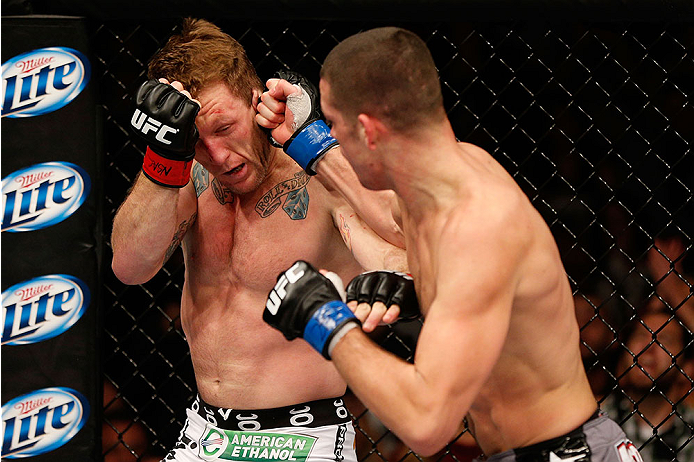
{"x":368,"y":248}
{"x":376,"y":208}
{"x":319,"y":153}
{"x":423,"y":403}
{"x":396,"y":392}
{"x":145,"y":231}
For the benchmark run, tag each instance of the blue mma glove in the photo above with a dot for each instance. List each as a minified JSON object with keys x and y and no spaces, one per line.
{"x":311,"y":138}
{"x":306,"y":304}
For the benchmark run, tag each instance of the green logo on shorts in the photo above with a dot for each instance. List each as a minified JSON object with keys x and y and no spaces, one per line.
{"x":218,"y":444}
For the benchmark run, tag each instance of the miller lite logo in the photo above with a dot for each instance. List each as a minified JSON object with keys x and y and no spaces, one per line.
{"x":42,"y":308}
{"x":42,"y":81}
{"x":41,"y":421}
{"x":42,"y":195}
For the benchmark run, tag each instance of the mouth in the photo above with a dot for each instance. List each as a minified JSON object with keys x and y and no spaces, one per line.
{"x":235,"y":170}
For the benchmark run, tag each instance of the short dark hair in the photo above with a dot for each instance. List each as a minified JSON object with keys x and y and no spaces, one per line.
{"x":388,"y":73}
{"x":202,"y":54}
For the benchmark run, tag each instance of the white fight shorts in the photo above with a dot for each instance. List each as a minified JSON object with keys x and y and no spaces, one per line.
{"x":317,"y":431}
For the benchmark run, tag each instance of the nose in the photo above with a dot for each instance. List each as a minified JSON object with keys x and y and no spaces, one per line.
{"x":212,"y":150}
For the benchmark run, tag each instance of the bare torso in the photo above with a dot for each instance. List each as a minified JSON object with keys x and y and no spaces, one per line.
{"x":537,"y":388}
{"x":233,"y":254}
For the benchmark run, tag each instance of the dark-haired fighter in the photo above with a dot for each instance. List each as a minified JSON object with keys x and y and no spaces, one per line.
{"x":500,"y":341}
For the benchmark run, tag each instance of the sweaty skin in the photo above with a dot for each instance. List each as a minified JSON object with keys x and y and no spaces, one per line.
{"x":500,"y":341}
{"x":249,"y":212}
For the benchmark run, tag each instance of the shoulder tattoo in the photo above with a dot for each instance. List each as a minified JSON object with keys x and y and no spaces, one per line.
{"x":201,"y":179}
{"x":222,"y":193}
{"x":178,"y":236}
{"x":291,"y":194}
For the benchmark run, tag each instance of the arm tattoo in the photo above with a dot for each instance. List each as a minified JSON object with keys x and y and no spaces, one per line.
{"x":346,"y":232}
{"x":222,"y":193}
{"x":178,"y":236}
{"x":201,"y":179}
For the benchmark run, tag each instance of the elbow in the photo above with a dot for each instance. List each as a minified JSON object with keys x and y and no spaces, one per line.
{"x":394,"y":234}
{"x":427,"y":441}
{"x":431,"y":430}
{"x":128,"y":273}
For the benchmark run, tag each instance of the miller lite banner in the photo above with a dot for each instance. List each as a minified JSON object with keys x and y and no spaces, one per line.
{"x":36,"y":82}
{"x":51,"y":235}
{"x":42,"y":421}
{"x":42,"y":195}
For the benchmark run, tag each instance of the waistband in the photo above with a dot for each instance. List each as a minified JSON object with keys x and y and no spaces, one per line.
{"x":572,"y":446}
{"x":329,"y":411}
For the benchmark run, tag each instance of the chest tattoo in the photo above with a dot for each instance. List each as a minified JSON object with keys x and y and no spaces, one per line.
{"x":201,"y":179}
{"x":291,"y":194}
{"x":222,"y":193}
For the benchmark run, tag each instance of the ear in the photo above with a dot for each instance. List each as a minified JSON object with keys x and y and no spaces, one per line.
{"x":372,"y":129}
{"x":255,"y":99}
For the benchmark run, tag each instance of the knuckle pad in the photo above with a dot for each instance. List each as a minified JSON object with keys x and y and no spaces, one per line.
{"x":366,"y":290}
{"x":387,"y":289}
{"x":354,"y":288}
{"x":398,"y":295}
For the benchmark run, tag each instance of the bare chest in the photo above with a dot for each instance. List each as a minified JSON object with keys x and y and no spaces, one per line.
{"x":246,"y":245}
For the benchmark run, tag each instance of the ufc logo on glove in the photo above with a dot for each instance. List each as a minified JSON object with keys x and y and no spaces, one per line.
{"x":147,"y":124}
{"x":277,"y":294}
{"x":306,"y":304}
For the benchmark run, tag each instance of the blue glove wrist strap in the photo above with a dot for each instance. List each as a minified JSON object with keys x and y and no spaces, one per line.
{"x":309,"y":144}
{"x":325,"y":322}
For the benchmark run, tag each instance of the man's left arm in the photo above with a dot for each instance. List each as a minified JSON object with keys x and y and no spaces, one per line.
{"x":373,"y":254}
{"x":370,"y":249}
{"x":289,"y":109}
{"x":379,"y":209}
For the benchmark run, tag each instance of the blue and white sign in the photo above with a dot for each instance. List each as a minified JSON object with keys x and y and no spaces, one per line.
{"x":42,"y":421}
{"x":42,"y":195}
{"x":42,"y":308}
{"x":42,"y":81}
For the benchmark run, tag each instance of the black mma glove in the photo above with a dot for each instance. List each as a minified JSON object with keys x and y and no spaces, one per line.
{"x":306,"y":304}
{"x":165,"y":118}
{"x":388,"y":287}
{"x":311,"y":138}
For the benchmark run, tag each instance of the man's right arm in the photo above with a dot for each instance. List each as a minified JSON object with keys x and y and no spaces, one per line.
{"x":162,"y":204}
{"x":148,"y":227}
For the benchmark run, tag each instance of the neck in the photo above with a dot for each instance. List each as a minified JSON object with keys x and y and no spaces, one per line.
{"x":278,"y":163}
{"x":424,"y":172}
{"x":278,"y":168}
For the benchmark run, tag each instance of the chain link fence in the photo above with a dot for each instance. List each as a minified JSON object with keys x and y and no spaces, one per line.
{"x":594,"y":121}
